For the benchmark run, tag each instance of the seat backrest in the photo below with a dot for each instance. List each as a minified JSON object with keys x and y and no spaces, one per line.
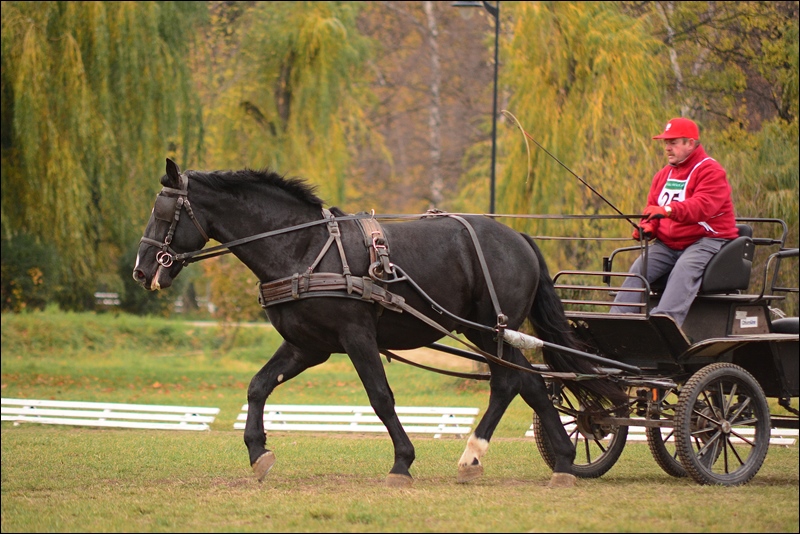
{"x":745,"y":230}
{"x":729,"y":269}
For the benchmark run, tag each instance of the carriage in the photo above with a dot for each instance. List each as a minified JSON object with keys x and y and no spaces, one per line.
{"x":329,"y":283}
{"x":700,"y":391}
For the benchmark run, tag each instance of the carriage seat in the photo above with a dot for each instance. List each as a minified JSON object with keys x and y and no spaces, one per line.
{"x":729,"y":269}
{"x":786,"y":325}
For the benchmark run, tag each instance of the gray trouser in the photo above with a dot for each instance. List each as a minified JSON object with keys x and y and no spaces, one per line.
{"x":683,"y":283}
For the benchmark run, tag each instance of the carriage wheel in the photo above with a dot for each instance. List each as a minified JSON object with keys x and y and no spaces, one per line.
{"x":662,"y":442}
{"x":597,"y":447}
{"x":722,"y":425}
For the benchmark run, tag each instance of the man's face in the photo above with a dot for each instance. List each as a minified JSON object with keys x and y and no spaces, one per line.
{"x":678,"y":149}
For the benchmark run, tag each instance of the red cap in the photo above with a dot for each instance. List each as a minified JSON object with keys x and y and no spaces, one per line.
{"x":680,"y":127}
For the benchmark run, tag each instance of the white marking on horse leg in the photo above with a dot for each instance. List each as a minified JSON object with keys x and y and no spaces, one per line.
{"x":476,"y":448}
{"x":280,"y":378}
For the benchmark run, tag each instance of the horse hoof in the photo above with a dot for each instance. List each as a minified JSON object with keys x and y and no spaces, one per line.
{"x":468,"y":473}
{"x":394,"y":480}
{"x":264,"y":463}
{"x":561,"y":480}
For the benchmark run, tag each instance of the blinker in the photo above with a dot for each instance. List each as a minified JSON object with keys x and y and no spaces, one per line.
{"x":164,"y":208}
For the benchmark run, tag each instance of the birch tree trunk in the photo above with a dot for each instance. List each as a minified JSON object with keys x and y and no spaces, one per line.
{"x":435,"y":120}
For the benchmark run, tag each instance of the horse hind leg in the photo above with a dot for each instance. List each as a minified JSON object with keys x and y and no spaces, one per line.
{"x":504,"y":385}
{"x":287,"y":362}
{"x":534,"y":393}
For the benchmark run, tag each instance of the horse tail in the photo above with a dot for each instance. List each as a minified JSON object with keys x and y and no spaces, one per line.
{"x":550,"y":322}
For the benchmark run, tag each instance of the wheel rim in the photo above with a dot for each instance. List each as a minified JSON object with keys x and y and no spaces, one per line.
{"x":597,"y":447}
{"x":661,"y":440}
{"x":723,"y":425}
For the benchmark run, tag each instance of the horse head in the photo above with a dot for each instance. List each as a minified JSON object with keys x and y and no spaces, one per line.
{"x":169,"y":233}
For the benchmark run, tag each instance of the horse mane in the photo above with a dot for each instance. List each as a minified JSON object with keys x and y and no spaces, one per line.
{"x":229,"y":180}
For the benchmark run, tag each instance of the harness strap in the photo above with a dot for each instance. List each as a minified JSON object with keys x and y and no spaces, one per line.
{"x":332,"y":285}
{"x":375,"y":241}
{"x":474,"y":376}
{"x":328,"y":285}
{"x":194,"y":219}
{"x":501,"y":319}
{"x":335,"y":236}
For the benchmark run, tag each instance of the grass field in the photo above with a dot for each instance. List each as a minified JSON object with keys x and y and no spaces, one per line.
{"x":62,"y":479}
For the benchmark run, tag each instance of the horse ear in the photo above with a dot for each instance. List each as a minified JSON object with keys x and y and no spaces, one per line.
{"x":173,"y":172}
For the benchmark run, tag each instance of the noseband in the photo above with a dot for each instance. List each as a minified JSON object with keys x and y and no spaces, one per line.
{"x":168,"y":206}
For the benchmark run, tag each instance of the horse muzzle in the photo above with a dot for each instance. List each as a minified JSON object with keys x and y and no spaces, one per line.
{"x":155,"y":283}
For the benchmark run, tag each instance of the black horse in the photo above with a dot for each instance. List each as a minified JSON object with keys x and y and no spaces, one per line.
{"x":399,"y":285}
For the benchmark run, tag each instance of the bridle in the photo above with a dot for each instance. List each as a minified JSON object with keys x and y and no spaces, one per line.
{"x":168,"y":206}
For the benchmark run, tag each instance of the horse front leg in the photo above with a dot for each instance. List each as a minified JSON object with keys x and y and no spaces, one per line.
{"x":287,"y":362}
{"x":367,"y":362}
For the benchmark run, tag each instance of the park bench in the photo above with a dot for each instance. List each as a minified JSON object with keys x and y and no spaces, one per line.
{"x":106,"y":414}
{"x":324,"y":418}
{"x":780,"y":436}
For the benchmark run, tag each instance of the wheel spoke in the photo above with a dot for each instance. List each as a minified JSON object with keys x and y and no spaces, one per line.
{"x":735,"y":452}
{"x":709,"y":453}
{"x":726,"y":404}
{"x":739,"y":411}
{"x":600,"y":445}
{"x":725,"y":455}
{"x":744,"y":438}
{"x":574,"y":436}
{"x":700,"y":414}
{"x":702,"y":450}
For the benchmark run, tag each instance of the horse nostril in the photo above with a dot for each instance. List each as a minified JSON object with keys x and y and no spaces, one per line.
{"x":138,"y":275}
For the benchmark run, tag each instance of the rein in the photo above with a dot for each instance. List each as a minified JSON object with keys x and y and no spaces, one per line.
{"x":218,"y":250}
{"x":170,"y":203}
{"x":370,"y":289}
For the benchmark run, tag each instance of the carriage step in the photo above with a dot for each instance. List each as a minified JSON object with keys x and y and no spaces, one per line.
{"x":325,"y":418}
{"x":778,"y":436}
{"x":107,"y":414}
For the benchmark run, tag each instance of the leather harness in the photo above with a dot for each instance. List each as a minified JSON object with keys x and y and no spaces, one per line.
{"x":371,"y":288}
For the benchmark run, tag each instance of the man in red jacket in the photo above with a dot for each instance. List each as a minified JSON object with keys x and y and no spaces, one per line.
{"x":690,"y":215}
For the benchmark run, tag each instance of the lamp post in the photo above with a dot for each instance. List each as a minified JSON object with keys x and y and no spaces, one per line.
{"x":494,"y":11}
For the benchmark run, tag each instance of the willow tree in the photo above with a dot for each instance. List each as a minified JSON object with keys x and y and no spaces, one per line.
{"x":95,"y":95}
{"x":734,"y":66}
{"x":582,"y":80}
{"x":295,"y":97}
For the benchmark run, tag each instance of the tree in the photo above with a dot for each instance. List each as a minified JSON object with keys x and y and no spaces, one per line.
{"x":730,"y":62}
{"x":432,"y":78}
{"x":734,"y":69}
{"x":294,"y":98}
{"x":582,"y":81}
{"x":94,"y":95}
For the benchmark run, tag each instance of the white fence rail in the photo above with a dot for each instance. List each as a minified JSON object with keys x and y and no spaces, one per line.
{"x":324,"y":418}
{"x":106,"y":414}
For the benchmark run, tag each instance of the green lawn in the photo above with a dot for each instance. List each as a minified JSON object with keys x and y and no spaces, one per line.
{"x":64,"y":479}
